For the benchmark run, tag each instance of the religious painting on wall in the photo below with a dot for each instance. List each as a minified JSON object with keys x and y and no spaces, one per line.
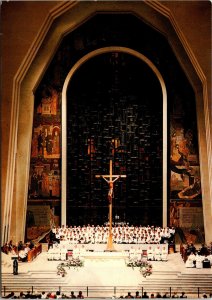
{"x":44,"y":180}
{"x":46,"y":141}
{"x":185,"y":178}
{"x":44,"y":174}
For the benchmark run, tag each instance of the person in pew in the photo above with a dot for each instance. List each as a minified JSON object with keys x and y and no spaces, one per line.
{"x":137,"y":295}
{"x":145,"y":295}
{"x":51,"y":296}
{"x":72,"y":296}
{"x":166,"y":295}
{"x":58,"y":295}
{"x":10,"y":296}
{"x":175,"y":295}
{"x":21,"y":295}
{"x":204,"y":295}
{"x":80,"y":295}
{"x":129,"y":296}
{"x":158,"y":295}
{"x":28,"y":295}
{"x":43,"y":295}
{"x":183,"y":295}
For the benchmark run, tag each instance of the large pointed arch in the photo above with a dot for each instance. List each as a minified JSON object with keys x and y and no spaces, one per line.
{"x":156,"y":72}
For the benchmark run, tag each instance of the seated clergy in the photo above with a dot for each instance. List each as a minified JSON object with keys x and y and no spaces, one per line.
{"x":63,"y":253}
{"x":76,"y":252}
{"x":158,"y":253}
{"x":199,"y":260}
{"x":132,"y":252}
{"x":22,"y":255}
{"x":56,"y":253}
{"x":150,"y":253}
{"x":164,"y":254}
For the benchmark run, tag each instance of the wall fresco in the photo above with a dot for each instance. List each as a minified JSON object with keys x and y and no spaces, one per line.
{"x":185,"y":178}
{"x":44,"y":174}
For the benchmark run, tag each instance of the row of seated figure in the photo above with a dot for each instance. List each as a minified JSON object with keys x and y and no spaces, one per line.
{"x":195,"y":260}
{"x":60,"y":252}
{"x":158,"y":253}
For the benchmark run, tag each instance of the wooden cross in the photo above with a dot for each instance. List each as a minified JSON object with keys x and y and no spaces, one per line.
{"x":110,"y":179}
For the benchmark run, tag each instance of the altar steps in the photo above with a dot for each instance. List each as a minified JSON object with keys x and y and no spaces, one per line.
{"x":157,"y":282}
{"x":106,"y":276}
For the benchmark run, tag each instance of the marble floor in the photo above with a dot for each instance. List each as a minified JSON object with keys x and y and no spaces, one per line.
{"x":107,"y":270}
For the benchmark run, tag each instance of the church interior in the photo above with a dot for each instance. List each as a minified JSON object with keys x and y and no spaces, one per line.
{"x":106,"y":153}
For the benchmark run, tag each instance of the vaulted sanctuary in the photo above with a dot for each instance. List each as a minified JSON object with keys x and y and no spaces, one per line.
{"x":86,"y":83}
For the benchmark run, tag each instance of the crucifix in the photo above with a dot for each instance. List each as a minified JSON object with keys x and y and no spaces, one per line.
{"x":110,"y":179}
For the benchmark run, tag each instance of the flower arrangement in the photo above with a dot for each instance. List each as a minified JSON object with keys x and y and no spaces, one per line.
{"x":60,"y":270}
{"x":144,"y":265}
{"x":146,"y":270}
{"x":73,"y":262}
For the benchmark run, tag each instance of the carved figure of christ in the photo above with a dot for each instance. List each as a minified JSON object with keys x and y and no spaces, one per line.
{"x":110,"y":179}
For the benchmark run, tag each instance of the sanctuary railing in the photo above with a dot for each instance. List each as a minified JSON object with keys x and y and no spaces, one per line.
{"x":108,"y":292}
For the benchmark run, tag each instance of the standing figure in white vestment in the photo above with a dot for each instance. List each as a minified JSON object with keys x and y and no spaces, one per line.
{"x":190,"y":261}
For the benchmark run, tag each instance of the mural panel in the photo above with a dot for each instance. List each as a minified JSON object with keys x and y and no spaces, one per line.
{"x":185,"y":180}
{"x":44,"y":173}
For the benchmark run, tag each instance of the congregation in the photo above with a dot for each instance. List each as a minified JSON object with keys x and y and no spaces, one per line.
{"x":79,"y":295}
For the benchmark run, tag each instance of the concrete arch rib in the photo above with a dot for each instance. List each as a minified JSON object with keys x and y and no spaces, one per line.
{"x":64,"y":120}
